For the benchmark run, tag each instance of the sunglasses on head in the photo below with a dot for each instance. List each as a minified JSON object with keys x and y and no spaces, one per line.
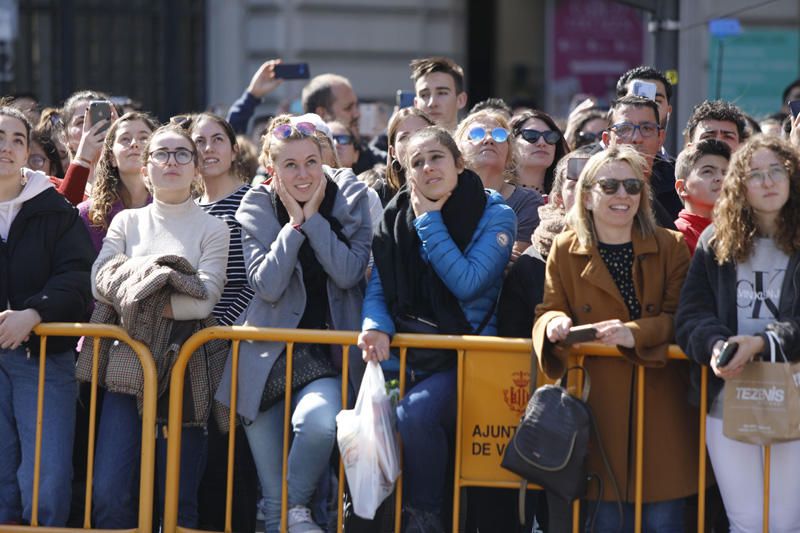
{"x":477,"y":134}
{"x":532,"y":136}
{"x":611,"y":185}
{"x":284,"y":131}
{"x":343,"y":139}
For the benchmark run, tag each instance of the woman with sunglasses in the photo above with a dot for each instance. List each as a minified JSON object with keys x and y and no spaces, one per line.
{"x":439,"y":255}
{"x":118,"y":180}
{"x":585,"y":127}
{"x":345,"y":143}
{"x":742,"y":287}
{"x":539,"y":146}
{"x":615,"y":271}
{"x":46,"y":261}
{"x":306,"y":239}
{"x":224,"y":186}
{"x":484,"y":139}
{"x":172,"y":225}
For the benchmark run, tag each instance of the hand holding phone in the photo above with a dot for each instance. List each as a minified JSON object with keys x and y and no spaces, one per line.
{"x":728,"y":351}
{"x":585,"y":333}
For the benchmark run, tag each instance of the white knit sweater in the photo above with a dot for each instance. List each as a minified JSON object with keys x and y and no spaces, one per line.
{"x":179,"y":229}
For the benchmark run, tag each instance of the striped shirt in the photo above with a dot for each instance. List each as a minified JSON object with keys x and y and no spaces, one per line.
{"x":237,"y":293}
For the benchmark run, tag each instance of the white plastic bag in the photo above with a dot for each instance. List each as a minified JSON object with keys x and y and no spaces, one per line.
{"x":368,"y":444}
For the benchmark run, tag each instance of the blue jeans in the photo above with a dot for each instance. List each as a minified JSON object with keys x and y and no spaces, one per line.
{"x":315,"y":407}
{"x":19,"y":383}
{"x":117,"y":462}
{"x":426,"y":419}
{"x":657,"y":517}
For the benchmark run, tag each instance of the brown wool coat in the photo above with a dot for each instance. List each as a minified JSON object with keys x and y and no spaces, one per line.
{"x":578,"y":284}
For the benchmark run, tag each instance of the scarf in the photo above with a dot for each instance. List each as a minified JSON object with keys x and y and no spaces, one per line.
{"x":410,"y":283}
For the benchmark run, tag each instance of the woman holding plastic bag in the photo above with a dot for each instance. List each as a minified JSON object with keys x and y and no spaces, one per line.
{"x":306,"y":241}
{"x":742,"y":288}
{"x":439,"y":255}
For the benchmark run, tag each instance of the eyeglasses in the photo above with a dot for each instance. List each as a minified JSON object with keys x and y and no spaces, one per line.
{"x":161,"y":157}
{"x":611,"y":185}
{"x":532,"y":136}
{"x":36,"y":161}
{"x":343,"y":139}
{"x":478,"y":134}
{"x":284,"y":131}
{"x":626,"y":130}
{"x":776,"y":173}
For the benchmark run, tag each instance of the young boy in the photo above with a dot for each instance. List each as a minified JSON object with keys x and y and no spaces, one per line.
{"x":699,"y":171}
{"x":439,"y":88}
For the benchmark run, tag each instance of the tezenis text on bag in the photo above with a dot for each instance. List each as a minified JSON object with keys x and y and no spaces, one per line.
{"x":759,"y":394}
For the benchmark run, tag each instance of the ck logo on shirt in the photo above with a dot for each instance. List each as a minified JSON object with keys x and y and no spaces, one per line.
{"x":762,"y":294}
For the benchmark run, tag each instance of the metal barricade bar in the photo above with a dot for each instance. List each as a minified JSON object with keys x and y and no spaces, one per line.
{"x":97,"y":331}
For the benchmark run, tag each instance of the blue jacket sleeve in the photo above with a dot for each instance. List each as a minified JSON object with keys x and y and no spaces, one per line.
{"x":468,"y":275}
{"x":241,"y":112}
{"x":375,"y":313}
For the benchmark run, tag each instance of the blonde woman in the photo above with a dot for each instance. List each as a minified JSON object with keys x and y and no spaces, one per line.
{"x":485,"y":139}
{"x":742,"y":284}
{"x":615,"y":270}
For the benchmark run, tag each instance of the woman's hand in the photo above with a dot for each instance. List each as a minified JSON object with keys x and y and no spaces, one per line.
{"x":794,"y":134}
{"x":374,"y":345}
{"x":292,"y":206}
{"x":16,"y":326}
{"x":264,"y":80}
{"x":558,"y":328}
{"x":311,"y":207}
{"x":615,"y":333}
{"x":749,"y":347}
{"x":421,"y":204}
{"x":93,"y":138}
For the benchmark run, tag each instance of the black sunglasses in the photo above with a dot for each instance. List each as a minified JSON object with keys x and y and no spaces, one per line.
{"x":532,"y":136}
{"x":611,"y":185}
{"x":343,"y":139}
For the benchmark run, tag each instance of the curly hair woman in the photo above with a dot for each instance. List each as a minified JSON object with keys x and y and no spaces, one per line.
{"x":740,"y":288}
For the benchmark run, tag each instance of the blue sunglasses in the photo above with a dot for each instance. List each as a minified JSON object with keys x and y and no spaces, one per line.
{"x":477,"y":134}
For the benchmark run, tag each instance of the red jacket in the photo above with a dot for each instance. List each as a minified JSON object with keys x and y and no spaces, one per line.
{"x":691,"y":226}
{"x":73,"y":185}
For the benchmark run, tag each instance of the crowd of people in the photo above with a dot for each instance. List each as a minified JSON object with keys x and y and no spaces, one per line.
{"x":505,"y":222}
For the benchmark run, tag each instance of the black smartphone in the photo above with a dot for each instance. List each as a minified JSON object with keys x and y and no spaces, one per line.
{"x":292,"y":71}
{"x":727,"y":353}
{"x":578,"y":334}
{"x":100,"y":110}
{"x":404,"y":98}
{"x":794,"y":106}
{"x":575,"y":167}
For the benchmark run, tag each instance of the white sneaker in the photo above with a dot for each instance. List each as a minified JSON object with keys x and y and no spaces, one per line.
{"x":300,"y":521}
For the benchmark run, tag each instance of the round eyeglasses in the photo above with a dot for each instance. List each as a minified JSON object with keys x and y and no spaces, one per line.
{"x":182,"y":156}
{"x":478,"y":134}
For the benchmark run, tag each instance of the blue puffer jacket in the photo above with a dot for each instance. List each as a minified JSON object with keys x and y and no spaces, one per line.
{"x":474,"y":277}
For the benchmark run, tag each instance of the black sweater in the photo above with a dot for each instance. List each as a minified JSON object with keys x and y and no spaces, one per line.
{"x":707,"y":311}
{"x":45,"y":265}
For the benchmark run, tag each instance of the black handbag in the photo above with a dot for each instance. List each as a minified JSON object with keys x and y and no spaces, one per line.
{"x":551,"y":443}
{"x":309,"y":362}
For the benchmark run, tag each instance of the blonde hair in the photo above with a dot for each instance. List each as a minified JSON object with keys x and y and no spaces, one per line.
{"x":489,"y":115}
{"x":735,"y":226}
{"x":581,"y":220}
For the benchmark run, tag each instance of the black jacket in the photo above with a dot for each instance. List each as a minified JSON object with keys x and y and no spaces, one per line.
{"x":523,"y":290}
{"x":707,"y":311}
{"x":662,"y":182}
{"x":45,"y":265}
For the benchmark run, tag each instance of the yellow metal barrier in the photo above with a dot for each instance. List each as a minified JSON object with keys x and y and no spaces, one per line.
{"x":148,"y":424}
{"x":463,"y":345}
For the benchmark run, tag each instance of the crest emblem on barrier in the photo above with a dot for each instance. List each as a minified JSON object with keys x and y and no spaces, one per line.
{"x":517,"y":396}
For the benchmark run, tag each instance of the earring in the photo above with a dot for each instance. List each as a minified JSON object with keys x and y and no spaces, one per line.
{"x":396,"y":165}
{"x":24,"y":180}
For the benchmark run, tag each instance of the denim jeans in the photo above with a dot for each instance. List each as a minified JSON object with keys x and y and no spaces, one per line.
{"x":117,"y":462}
{"x":426,"y":419}
{"x":315,"y":407}
{"x":657,"y":517}
{"x":19,"y":382}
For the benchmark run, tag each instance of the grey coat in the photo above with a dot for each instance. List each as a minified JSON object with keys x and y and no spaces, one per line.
{"x":275,"y":274}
